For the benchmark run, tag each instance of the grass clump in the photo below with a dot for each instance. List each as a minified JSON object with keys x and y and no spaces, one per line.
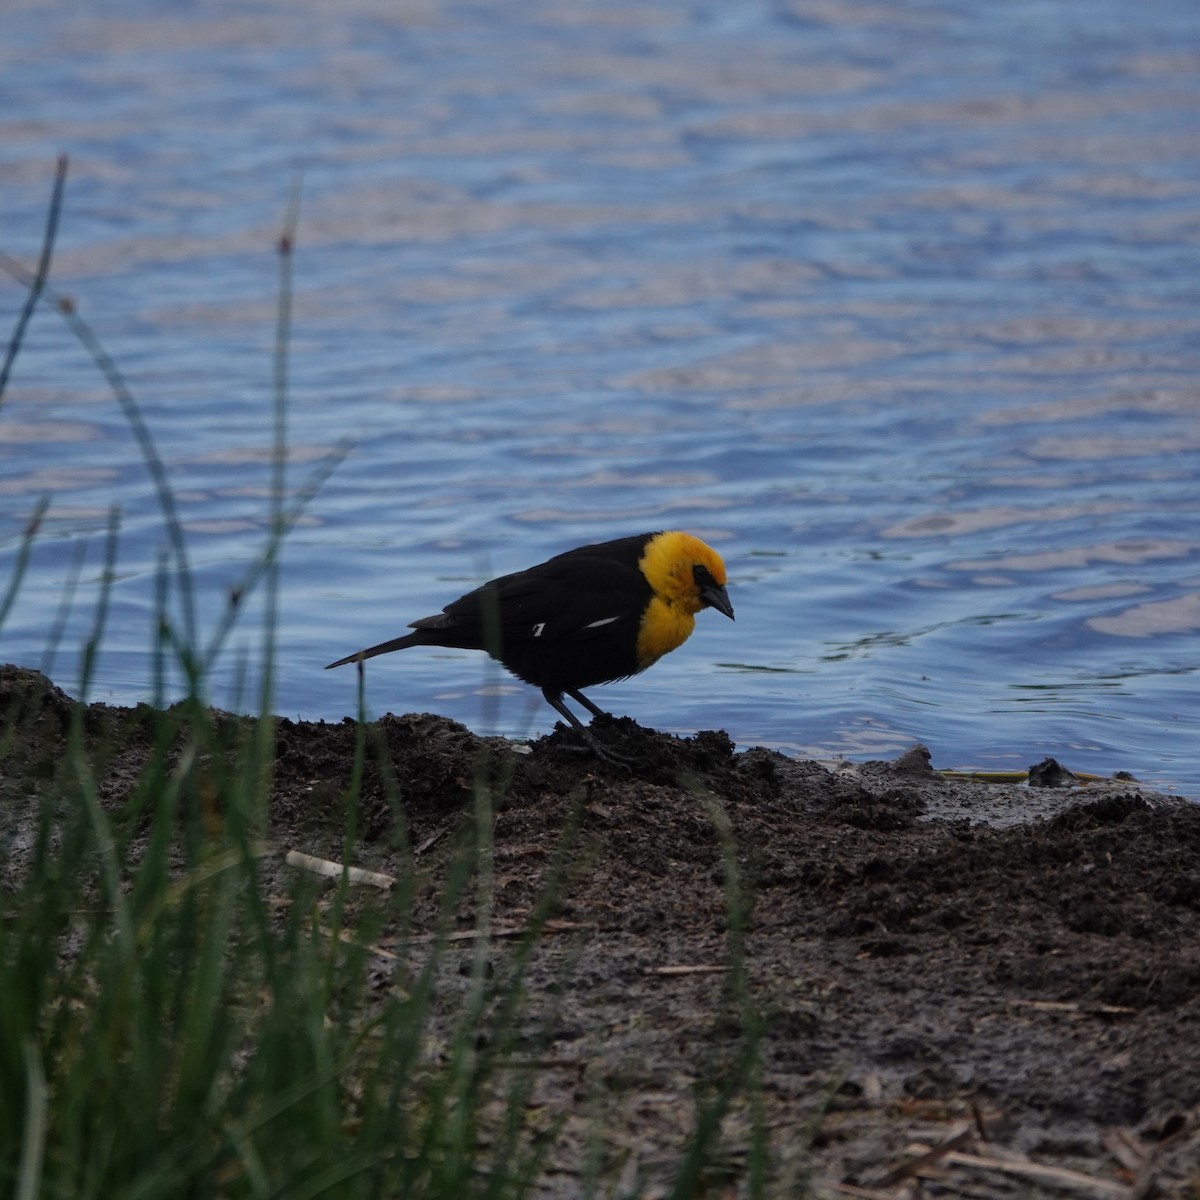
{"x":180,"y":1015}
{"x":178,"y":1018}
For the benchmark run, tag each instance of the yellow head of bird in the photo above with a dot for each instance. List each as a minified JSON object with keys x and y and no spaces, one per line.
{"x":685,"y":572}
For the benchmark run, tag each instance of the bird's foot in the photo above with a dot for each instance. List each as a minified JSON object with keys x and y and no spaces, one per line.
{"x":613,"y":758}
{"x":584,"y":741}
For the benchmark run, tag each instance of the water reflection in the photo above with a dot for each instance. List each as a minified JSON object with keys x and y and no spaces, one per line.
{"x":896,"y":303}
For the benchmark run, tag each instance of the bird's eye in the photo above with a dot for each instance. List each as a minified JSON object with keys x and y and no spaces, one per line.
{"x":703,"y":576}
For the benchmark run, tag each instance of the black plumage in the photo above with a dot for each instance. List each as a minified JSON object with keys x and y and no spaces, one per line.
{"x":588,"y":616}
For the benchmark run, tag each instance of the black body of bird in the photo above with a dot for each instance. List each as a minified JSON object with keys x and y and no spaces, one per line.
{"x":591,"y":615}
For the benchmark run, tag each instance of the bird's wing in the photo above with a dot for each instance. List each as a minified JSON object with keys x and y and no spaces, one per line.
{"x":573,"y":600}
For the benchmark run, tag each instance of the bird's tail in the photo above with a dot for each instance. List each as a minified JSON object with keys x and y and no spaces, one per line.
{"x":400,"y":643}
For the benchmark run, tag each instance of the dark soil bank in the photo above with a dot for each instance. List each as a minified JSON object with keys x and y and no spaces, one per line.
{"x":916,"y":949}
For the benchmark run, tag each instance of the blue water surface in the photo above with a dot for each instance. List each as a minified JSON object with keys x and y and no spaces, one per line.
{"x":897,"y":304}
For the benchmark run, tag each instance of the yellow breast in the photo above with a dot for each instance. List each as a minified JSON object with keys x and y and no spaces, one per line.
{"x":664,"y":628}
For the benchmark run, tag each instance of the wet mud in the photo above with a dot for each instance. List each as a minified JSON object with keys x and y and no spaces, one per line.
{"x":920,"y":962}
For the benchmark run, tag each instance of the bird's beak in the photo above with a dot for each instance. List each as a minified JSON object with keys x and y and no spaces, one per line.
{"x":715,"y":596}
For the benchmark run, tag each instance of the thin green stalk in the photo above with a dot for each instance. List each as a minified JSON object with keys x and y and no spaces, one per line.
{"x":737,"y":903}
{"x":707,"y":1132}
{"x":324,"y":1182}
{"x":21,"y":565}
{"x":33,"y":1143}
{"x":203,"y":1029}
{"x":350,"y":835}
{"x":100,"y":621}
{"x":460,"y":1093}
{"x":510,"y":1169}
{"x":66,"y":602}
{"x":279,"y":449}
{"x":40,"y":275}
{"x":161,"y":636}
{"x":745,"y":1072}
{"x":796,"y":1178}
{"x":158,"y":474}
{"x":259,"y":569}
{"x":66,"y":308}
{"x":82,"y":768}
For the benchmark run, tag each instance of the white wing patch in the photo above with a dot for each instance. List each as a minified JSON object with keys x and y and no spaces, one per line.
{"x":603,"y":621}
{"x":537,"y":629}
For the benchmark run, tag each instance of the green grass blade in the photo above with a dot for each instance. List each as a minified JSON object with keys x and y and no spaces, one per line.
{"x":33,"y":1144}
{"x":39,"y":277}
{"x":23,"y":552}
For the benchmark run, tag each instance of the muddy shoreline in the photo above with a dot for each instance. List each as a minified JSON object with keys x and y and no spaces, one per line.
{"x":1009,"y":971}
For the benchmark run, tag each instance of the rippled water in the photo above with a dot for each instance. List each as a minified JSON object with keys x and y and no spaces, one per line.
{"x":895,"y":303}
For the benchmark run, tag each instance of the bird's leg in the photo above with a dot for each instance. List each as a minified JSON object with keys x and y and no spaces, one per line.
{"x":580,"y":698}
{"x":555,"y":700}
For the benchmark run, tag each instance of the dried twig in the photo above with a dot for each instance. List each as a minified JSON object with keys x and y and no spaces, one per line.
{"x":435,"y":837}
{"x":1126,"y":1148}
{"x":860,"y":1193}
{"x":1062,"y":1177}
{"x":961,"y":1137}
{"x":497,"y":931}
{"x":379,"y":951}
{"x":334,"y":870}
{"x":980,"y":1123}
{"x":1139,"y":1158}
{"x":685,"y":969}
{"x":1072,"y":1006}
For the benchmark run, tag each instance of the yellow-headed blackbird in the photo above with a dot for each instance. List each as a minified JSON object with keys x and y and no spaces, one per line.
{"x":588,"y":616}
